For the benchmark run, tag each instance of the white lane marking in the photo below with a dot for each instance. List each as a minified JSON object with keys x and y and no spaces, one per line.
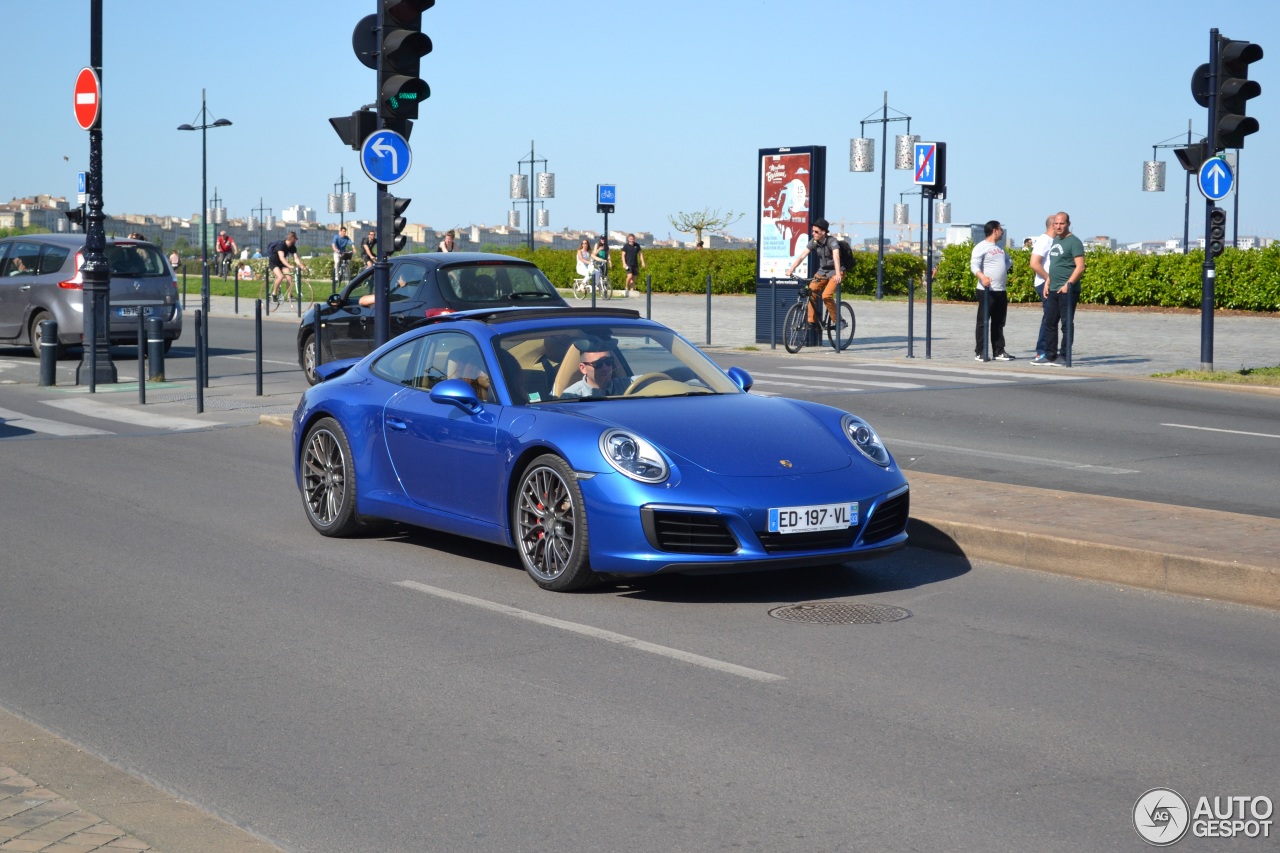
{"x":936,"y":377}
{"x":108,"y":412}
{"x":1052,"y":376}
{"x":1232,"y":431}
{"x":800,"y":379}
{"x":264,"y":361}
{"x":21,"y":421}
{"x":1011,"y":457}
{"x":596,"y":633}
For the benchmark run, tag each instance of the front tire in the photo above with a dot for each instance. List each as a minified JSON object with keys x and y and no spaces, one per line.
{"x":550,"y":524}
{"x":795,"y":328}
{"x":328,"y":480}
{"x":308,"y":359}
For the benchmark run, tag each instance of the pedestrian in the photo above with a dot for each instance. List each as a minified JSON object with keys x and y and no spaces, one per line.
{"x":826,"y":281}
{"x":601,"y":260}
{"x":1066,"y":268}
{"x":369,"y":247}
{"x":632,"y":255}
{"x":1040,"y":266}
{"x":174,"y":260}
{"x":447,"y":244}
{"x":991,"y":264}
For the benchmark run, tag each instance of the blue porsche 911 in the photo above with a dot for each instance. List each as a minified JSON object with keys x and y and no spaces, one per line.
{"x":594,"y":442}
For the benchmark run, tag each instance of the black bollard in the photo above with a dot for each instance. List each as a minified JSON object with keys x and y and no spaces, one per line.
{"x":257,"y":343}
{"x":155,"y":349}
{"x":708,"y":309}
{"x":48,"y":352}
{"x":199,"y":364}
{"x":318,"y":328}
{"x":648,"y":297}
{"x":142,"y":356}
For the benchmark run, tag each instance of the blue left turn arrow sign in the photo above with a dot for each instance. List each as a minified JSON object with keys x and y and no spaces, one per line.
{"x":385,"y":156}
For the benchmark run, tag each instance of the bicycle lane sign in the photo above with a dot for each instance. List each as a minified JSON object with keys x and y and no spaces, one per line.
{"x":385,"y":156}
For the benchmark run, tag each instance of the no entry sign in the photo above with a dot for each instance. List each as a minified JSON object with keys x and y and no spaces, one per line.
{"x":88,"y":100}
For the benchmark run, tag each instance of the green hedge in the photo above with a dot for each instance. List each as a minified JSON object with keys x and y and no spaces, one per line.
{"x":1245,"y":279}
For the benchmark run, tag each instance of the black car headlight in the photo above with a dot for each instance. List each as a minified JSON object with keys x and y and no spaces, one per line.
{"x":865,"y":439}
{"x":633,"y":456}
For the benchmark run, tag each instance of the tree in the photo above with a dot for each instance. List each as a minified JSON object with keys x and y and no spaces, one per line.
{"x":707,"y":220}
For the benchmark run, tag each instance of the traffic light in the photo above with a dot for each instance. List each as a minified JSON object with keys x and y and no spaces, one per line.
{"x":402,"y":47}
{"x":355,"y":128}
{"x":392,"y":222}
{"x":1230,"y":123}
{"x":76,"y":216}
{"x":1217,"y":232}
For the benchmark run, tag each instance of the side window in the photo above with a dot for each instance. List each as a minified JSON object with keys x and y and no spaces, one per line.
{"x":399,"y":365}
{"x":52,"y":259}
{"x":454,"y":355}
{"x":406,"y":280}
{"x":23,"y":259}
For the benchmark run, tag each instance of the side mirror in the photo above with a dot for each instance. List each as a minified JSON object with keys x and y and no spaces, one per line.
{"x":741,"y":378}
{"x":457,"y":392}
{"x":335,"y":301}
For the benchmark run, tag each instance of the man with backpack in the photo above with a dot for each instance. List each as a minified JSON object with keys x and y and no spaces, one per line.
{"x":826,"y":279}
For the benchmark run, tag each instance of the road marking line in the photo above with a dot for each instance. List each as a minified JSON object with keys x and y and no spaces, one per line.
{"x":596,"y":633}
{"x":264,"y":361}
{"x":990,"y":454}
{"x":799,"y":379}
{"x":1047,"y":375}
{"x":936,"y":377}
{"x":108,"y":412}
{"x":21,"y":421}
{"x":1232,"y":431}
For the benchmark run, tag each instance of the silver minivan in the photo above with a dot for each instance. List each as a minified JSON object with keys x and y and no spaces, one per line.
{"x":40,"y":279}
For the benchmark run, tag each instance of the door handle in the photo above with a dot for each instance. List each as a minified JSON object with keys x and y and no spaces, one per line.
{"x":397,"y":424}
{"x":25,"y":288}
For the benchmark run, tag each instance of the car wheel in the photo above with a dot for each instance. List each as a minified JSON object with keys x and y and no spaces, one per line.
{"x":308,"y":359}
{"x":36,"y":339}
{"x":328,"y":480}
{"x":551,"y":526}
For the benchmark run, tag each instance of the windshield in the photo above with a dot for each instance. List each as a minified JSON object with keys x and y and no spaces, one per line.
{"x":605,"y":361}
{"x":494,"y":282}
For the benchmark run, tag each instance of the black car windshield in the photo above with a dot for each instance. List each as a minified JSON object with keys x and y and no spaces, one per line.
{"x":136,"y":260}
{"x":493,"y":282}
{"x":605,"y":361}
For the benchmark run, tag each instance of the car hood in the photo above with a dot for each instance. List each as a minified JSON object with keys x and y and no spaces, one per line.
{"x":731,"y":435}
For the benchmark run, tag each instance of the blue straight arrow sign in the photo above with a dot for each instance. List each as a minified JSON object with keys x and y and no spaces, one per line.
{"x":1216,"y":179}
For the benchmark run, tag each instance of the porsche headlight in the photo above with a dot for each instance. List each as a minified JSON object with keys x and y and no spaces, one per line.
{"x":865,"y":439}
{"x":633,"y":456}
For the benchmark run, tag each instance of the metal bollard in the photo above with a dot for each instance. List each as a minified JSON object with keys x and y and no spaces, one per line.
{"x":648,"y":296}
{"x":184,"y":287}
{"x":257,"y":343}
{"x":984,"y":294}
{"x":318,"y":328}
{"x":155,"y":349}
{"x":48,"y":352}
{"x":199,"y":363}
{"x":708,"y":309}
{"x":142,"y":356}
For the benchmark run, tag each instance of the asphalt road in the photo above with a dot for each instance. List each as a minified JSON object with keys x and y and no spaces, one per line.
{"x":164,"y":602}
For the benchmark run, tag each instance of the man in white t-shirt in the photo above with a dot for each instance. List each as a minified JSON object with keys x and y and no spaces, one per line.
{"x":1040,"y":266}
{"x":989,"y":262}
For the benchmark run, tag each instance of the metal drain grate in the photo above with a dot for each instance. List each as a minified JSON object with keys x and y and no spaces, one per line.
{"x":840,"y":613}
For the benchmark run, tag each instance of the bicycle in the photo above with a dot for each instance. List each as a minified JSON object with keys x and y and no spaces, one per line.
{"x":294,"y":284}
{"x":342,"y":273}
{"x":582,"y":286}
{"x":224,"y":265}
{"x":796,"y":326}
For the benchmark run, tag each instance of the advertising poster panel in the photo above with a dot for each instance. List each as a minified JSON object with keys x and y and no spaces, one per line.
{"x":792,"y":195}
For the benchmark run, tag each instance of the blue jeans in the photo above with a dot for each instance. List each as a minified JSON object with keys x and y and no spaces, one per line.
{"x":1059,"y":308}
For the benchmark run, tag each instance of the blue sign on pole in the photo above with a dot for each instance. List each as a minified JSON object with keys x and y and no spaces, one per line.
{"x":385,"y":156}
{"x":1215,"y":179}
{"x":606,"y":193}
{"x":926,"y":162}
{"x":80,"y":178}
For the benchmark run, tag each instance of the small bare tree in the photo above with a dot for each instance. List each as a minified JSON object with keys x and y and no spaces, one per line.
{"x":707,"y":220}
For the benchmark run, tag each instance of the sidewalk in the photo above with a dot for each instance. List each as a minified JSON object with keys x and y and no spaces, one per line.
{"x":1203,"y":553}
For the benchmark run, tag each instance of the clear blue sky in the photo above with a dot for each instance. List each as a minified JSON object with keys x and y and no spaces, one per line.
{"x":1043,"y":106}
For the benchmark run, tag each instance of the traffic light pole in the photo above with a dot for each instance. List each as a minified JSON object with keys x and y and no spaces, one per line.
{"x":382,"y":278}
{"x":1207,"y":274}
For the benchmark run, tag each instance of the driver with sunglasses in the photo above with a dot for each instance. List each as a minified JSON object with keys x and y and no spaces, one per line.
{"x":600,"y":374}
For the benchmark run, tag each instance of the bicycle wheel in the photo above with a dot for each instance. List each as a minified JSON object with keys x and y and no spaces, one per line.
{"x":581,"y":287}
{"x":842,"y":335}
{"x":795,"y":328}
{"x":606,"y":288}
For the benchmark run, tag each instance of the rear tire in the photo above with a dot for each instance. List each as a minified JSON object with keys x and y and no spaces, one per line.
{"x":841,"y":337}
{"x":329,"y":480}
{"x":795,"y":328}
{"x":59,"y":351}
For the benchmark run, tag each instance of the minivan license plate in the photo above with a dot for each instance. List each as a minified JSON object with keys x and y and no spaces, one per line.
{"x":806,"y":519}
{"x":131,"y":311}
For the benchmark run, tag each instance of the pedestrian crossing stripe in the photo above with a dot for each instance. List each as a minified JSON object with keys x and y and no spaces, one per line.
{"x":17,"y":420}
{"x":108,"y":412}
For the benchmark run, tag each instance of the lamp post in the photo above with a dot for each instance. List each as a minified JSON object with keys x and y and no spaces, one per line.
{"x":862,"y":155}
{"x":341,"y":200}
{"x":1153,"y":182}
{"x":203,"y":127}
{"x":259,"y":210}
{"x":544,"y":182}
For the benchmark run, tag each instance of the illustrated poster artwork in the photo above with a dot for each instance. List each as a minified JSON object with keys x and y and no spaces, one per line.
{"x":784,"y":211}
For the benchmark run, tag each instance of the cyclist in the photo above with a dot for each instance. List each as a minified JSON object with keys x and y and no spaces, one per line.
{"x":369,"y":246}
{"x":826,"y":280}
{"x":343,"y":249}
{"x":226,"y":248}
{"x":282,"y":268}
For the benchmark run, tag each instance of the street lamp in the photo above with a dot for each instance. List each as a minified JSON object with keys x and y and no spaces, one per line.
{"x":1153,"y":181}
{"x":521,"y":189}
{"x":862,"y":158}
{"x":204,"y":125}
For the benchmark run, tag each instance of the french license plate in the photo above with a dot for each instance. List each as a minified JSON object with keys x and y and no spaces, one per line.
{"x":130,"y":311}
{"x":806,"y":519}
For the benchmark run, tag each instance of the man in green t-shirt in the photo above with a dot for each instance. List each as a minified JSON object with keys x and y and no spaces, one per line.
{"x":1066,"y":267}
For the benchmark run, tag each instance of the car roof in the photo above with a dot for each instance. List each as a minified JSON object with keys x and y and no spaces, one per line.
{"x":441,"y":259}
{"x":73,"y":241}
